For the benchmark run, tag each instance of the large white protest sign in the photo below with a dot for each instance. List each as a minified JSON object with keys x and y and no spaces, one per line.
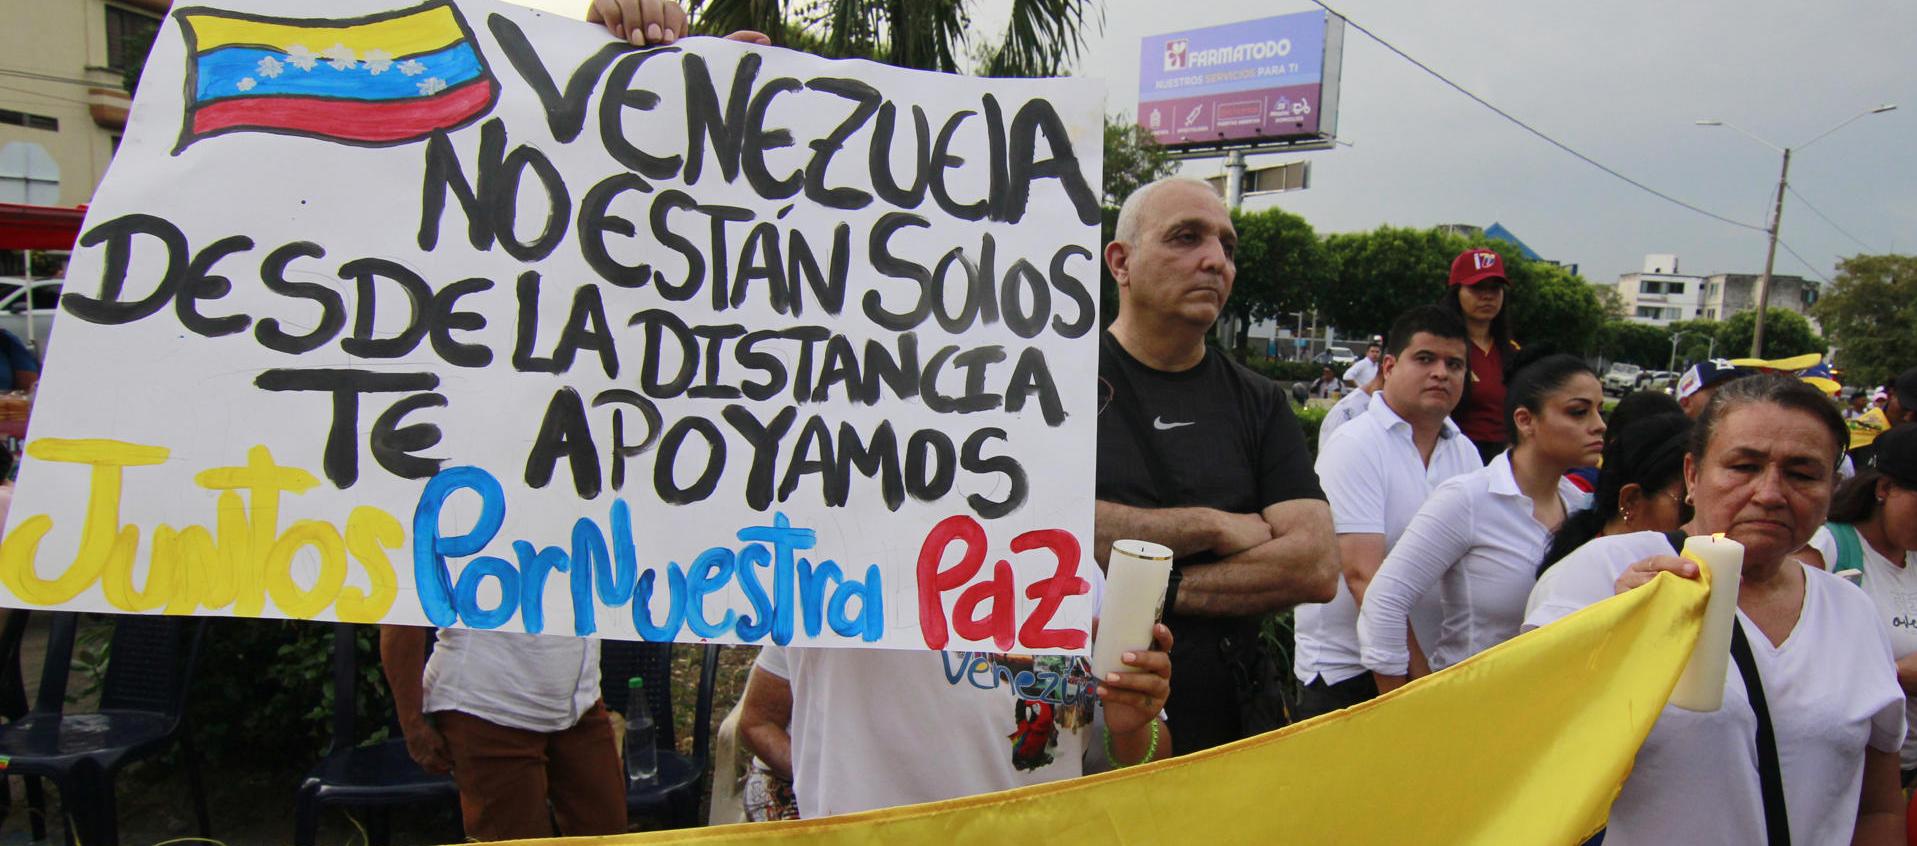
{"x":461,"y":314}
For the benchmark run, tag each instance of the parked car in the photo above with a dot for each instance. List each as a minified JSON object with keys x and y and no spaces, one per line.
{"x":1336,"y":356}
{"x":31,"y":325}
{"x":1656,"y":380}
{"x":1621,"y":378}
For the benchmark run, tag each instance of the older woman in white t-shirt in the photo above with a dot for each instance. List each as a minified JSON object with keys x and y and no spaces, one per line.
{"x":1479,"y":537}
{"x":1760,"y":470}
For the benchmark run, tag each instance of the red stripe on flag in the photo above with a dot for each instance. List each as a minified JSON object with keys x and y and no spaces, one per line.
{"x":347,"y":120}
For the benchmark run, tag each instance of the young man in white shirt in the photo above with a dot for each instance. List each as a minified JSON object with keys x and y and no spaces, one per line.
{"x":1362,"y":371}
{"x":1376,"y":472}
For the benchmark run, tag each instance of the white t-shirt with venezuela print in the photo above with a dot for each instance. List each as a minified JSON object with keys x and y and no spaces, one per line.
{"x":878,"y":728}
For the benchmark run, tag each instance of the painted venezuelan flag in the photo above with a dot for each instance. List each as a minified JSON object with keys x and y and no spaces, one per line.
{"x":371,"y":81}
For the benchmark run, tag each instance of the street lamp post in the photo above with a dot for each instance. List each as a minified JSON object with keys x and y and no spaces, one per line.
{"x":1675,"y":337}
{"x":1777,"y":212}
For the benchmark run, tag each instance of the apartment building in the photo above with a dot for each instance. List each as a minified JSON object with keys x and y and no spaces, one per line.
{"x":66,"y":67}
{"x":1659,"y":295}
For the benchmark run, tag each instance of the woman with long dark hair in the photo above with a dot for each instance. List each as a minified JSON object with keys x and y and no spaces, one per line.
{"x":1640,"y":489}
{"x":1476,"y":295}
{"x":1478,"y":538}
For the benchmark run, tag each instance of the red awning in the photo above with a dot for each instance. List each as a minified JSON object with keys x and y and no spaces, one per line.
{"x":39,"y":227}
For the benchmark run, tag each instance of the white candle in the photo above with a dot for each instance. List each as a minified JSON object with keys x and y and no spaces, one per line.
{"x":1135,"y":577}
{"x":1701,"y":688}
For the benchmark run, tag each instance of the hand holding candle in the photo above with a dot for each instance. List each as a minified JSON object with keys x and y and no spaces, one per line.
{"x":1135,"y":578}
{"x":1721,"y":567}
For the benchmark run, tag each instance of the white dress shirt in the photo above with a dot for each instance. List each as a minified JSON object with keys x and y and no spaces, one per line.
{"x":1477,"y":542}
{"x":1361,"y":372}
{"x":1348,"y":408}
{"x":1375,"y":481}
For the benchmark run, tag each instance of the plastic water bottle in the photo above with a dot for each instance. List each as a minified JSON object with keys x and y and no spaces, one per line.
{"x":642,"y":756}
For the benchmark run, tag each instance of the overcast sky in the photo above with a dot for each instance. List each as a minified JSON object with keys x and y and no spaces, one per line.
{"x":1623,"y":82}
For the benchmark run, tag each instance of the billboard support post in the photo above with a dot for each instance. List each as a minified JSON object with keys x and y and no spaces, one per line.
{"x":1235,"y":179}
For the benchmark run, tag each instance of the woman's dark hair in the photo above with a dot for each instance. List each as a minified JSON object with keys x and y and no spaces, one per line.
{"x":1500,"y":325}
{"x":1856,"y":499}
{"x":1775,"y":389}
{"x":1539,"y":373}
{"x":1647,"y":452}
{"x":1640,"y":405}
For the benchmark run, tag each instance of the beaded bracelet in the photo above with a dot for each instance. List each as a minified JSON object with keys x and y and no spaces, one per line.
{"x":1151,"y":751}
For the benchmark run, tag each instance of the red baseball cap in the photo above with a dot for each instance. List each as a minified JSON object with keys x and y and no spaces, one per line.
{"x":1474,"y":266}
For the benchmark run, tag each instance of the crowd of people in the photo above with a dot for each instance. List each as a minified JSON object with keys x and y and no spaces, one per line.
{"x":1448,"y":543}
{"x":1468,"y":489}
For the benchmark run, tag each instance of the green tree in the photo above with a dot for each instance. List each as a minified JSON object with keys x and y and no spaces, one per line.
{"x":1042,"y":39}
{"x":1699,"y":341}
{"x":1548,"y":304}
{"x":1641,"y":344}
{"x":1381,"y":273}
{"x":1786,"y":333}
{"x":1870,"y":311}
{"x":1282,"y":265}
{"x":1132,"y":159}
{"x":1612,"y":302}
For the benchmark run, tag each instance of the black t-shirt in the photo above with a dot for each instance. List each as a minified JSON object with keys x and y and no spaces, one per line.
{"x":1224,"y":438}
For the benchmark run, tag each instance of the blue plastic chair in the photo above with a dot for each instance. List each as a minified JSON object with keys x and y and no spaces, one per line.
{"x":150,"y":667}
{"x":378,"y":776}
{"x":674,"y":796}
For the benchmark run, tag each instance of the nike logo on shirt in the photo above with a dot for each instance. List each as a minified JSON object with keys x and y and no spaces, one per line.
{"x":1162,"y":426}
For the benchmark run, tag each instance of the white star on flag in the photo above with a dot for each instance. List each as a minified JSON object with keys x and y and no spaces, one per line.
{"x":377,"y":61}
{"x":432,"y":85}
{"x":341,"y":57}
{"x":302,"y":57}
{"x":270,"y":67}
{"x":245,"y":83}
{"x":412,"y":67}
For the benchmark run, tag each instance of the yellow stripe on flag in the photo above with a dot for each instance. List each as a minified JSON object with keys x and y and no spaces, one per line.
{"x":424,"y":31}
{"x":1525,"y":743}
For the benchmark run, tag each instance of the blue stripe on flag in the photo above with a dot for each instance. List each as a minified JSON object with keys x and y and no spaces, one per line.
{"x":222,"y":74}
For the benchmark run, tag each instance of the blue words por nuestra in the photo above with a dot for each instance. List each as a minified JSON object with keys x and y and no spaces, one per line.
{"x":603,"y":565}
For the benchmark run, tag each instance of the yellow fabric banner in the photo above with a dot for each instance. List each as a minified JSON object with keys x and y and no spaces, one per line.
{"x":1527,"y":742}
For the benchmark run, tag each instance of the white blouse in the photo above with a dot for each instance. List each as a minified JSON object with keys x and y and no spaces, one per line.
{"x":1477,"y":542}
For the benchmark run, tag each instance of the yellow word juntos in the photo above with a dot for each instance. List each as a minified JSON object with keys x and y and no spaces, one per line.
{"x":237,"y":564}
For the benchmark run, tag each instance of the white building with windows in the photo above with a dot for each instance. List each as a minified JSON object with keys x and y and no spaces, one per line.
{"x":1659,"y":295}
{"x":1726,"y":294}
{"x":64,"y":69}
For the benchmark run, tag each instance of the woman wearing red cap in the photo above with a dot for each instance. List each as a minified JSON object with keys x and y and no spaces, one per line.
{"x":1476,"y":294}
